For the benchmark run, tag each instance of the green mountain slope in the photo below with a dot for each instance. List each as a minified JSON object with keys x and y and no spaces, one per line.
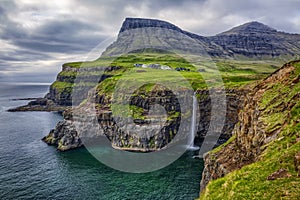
{"x":261,"y":161}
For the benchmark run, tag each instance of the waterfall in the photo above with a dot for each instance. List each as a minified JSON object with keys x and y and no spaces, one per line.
{"x":192,"y":146}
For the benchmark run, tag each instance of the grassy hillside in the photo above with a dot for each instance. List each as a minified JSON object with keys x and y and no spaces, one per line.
{"x":234,"y":73}
{"x":279,"y":111}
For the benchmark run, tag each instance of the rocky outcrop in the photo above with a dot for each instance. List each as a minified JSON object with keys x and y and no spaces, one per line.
{"x":269,"y":112}
{"x":64,"y":136}
{"x":39,"y":104}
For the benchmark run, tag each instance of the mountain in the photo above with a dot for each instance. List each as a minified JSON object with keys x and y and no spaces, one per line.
{"x":256,"y":40}
{"x":137,"y":34}
{"x":250,"y":28}
{"x":251,"y":40}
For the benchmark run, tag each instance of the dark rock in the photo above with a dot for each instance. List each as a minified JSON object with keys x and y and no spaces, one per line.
{"x":281,"y":173}
{"x":40,"y":104}
{"x":64,"y":136}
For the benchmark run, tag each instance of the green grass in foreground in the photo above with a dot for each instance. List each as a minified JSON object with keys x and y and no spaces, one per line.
{"x":250,"y":182}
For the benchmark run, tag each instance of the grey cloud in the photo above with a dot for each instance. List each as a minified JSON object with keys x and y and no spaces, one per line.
{"x":23,"y":55}
{"x":57,"y":36}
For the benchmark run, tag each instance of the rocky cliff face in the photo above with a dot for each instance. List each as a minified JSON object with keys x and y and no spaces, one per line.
{"x":270,"y":118}
{"x":65,"y":137}
{"x":60,"y":92}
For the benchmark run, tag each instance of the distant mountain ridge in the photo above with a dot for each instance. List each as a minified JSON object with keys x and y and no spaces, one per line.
{"x":250,"y":28}
{"x":250,"y":40}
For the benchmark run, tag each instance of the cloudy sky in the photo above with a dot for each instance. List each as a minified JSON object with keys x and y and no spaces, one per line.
{"x":36,"y":37}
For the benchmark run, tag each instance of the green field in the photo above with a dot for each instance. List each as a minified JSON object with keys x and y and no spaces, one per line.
{"x":198,"y":74}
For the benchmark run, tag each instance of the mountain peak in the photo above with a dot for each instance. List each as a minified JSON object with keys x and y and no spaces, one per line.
{"x":250,"y":27}
{"x":133,"y":23}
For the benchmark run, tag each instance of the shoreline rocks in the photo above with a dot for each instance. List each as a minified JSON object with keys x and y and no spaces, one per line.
{"x":38,"y":104}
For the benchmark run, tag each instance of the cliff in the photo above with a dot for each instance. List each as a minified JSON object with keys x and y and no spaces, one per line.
{"x":59,"y":96}
{"x":261,"y":160}
{"x":65,"y":136}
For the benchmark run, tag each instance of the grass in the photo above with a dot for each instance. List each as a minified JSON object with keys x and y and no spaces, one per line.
{"x":62,"y":86}
{"x":280,"y":110}
{"x":234,"y":73}
{"x":251,"y":182}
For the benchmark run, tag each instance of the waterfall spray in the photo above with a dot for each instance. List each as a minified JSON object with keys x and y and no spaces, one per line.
{"x":193,"y":132}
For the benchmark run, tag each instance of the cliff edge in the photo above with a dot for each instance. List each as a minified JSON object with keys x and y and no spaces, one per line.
{"x":261,"y":160}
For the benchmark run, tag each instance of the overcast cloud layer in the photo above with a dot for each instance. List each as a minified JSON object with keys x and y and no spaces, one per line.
{"x":36,"y":37}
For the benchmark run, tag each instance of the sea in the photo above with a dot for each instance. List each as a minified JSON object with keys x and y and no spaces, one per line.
{"x":30,"y":169}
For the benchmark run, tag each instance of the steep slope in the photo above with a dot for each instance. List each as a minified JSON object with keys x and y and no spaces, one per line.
{"x":261,"y":160}
{"x":255,"y":39}
{"x":137,"y":34}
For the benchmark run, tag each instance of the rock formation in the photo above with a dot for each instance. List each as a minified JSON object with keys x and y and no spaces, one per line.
{"x":65,"y":137}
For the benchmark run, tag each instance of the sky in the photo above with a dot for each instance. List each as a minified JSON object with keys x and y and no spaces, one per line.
{"x":37,"y":37}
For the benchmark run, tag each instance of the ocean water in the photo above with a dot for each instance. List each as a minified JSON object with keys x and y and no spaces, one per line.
{"x":30,"y":169}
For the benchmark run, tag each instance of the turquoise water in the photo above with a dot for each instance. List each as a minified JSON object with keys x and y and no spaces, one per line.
{"x":30,"y":169}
